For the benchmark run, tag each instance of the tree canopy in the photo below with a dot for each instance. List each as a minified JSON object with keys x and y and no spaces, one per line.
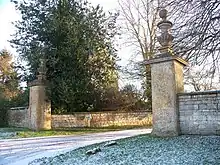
{"x":76,"y":39}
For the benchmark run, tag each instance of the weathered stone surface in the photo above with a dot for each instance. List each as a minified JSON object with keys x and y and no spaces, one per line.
{"x":102,"y":119}
{"x":167,"y":81}
{"x":204,"y":120}
{"x":94,"y":119}
{"x":17,"y":117}
{"x":39,"y":111}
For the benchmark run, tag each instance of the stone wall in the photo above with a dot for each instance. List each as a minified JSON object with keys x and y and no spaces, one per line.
{"x":103,"y":119}
{"x":199,"y":113}
{"x":17,"y":117}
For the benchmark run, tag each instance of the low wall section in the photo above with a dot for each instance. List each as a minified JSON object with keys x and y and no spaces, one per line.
{"x":17,"y":117}
{"x":103,"y":119}
{"x":199,"y":113}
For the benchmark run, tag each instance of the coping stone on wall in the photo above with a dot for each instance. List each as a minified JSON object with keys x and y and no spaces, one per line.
{"x":217,"y":92}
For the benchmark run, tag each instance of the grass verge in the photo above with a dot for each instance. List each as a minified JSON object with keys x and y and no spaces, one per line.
{"x":26,"y":133}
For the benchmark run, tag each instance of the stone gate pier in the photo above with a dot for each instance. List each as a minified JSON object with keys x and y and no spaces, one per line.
{"x":39,"y":111}
{"x":166,"y":81}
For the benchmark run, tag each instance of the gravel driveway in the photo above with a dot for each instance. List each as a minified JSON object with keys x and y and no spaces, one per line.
{"x":145,"y":150}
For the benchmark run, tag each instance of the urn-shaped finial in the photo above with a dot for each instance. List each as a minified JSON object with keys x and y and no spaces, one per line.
{"x":42,"y":70}
{"x":165,"y":39}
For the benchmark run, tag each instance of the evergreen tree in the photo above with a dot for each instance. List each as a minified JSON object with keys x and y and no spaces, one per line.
{"x":76,"y":39}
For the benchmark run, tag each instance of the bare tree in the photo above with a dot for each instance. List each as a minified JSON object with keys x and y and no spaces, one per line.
{"x":197,"y":39}
{"x":140,"y":19}
{"x":196,"y":30}
{"x":201,"y":79}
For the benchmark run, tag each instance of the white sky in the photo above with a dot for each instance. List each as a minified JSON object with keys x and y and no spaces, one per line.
{"x":7,"y":15}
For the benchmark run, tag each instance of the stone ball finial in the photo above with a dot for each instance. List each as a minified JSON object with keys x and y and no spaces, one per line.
{"x":163,"y":14}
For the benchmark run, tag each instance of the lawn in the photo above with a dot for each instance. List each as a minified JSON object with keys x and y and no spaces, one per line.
{"x":146,"y":150}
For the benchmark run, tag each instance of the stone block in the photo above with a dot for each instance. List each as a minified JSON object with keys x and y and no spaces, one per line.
{"x":211,"y":118}
{"x":218,"y":132}
{"x":202,"y":118}
{"x":202,"y":125}
{"x":184,"y":130}
{"x":206,"y":95}
{"x":194,"y":130}
{"x":181,"y":103}
{"x":182,"y":118}
{"x":195,"y":97}
{"x":188,"y":107}
{"x":188,"y":113}
{"x":183,"y":97}
{"x":203,"y":106}
{"x":181,"y":113}
{"x":212,"y":106}
{"x":197,"y":102}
